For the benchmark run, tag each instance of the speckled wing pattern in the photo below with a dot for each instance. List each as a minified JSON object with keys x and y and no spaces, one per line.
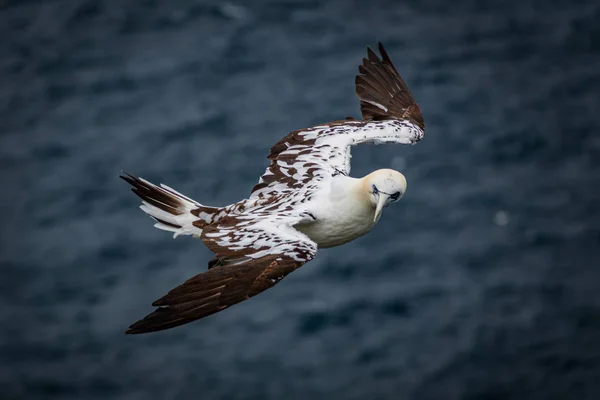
{"x":254,"y":240}
{"x":303,"y":161}
{"x":254,"y":254}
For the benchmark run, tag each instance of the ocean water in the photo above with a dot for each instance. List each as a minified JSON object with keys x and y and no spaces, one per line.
{"x":482,"y":283}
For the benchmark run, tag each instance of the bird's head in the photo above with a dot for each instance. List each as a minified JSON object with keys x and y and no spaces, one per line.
{"x":384,"y":187}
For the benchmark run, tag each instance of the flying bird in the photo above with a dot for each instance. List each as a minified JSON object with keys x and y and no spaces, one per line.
{"x":304,"y":201}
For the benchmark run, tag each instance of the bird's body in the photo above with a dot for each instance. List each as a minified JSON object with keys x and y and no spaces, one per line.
{"x":304,"y":201}
{"x":341,"y":213}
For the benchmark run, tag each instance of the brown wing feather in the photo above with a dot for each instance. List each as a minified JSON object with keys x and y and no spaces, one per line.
{"x":383,"y":93}
{"x":244,"y":267}
{"x":213,"y":291}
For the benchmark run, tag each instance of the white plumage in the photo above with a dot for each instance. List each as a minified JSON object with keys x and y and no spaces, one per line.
{"x":305,"y":200}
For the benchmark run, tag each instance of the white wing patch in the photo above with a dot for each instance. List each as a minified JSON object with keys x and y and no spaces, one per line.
{"x":376,"y":104}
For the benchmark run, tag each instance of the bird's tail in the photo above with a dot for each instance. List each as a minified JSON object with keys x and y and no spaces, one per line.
{"x":171,"y":210}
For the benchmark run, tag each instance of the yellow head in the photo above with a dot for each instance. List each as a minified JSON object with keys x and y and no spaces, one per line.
{"x":384,"y":187}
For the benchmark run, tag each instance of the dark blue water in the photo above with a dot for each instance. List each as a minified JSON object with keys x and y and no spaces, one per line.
{"x":482,"y":283}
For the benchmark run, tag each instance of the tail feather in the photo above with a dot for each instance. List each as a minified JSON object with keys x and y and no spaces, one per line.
{"x":171,"y":210}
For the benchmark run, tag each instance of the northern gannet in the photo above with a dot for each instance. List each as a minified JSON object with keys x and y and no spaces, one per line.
{"x":305,"y":200}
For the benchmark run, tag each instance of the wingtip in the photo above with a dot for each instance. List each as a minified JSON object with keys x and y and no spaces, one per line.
{"x":384,"y":54}
{"x":371,"y":56}
{"x":380,"y":47}
{"x":127,"y":177}
{"x":379,"y":84}
{"x":135,"y":329}
{"x":130,"y":330}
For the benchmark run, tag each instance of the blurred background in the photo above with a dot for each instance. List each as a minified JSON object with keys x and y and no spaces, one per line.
{"x":482,"y":283}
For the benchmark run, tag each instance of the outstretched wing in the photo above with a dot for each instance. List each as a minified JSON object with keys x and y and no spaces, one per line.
{"x":302,"y":160}
{"x":253,"y":256}
{"x":383,"y":93}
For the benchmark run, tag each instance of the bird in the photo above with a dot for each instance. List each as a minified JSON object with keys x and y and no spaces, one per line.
{"x":306,"y":200}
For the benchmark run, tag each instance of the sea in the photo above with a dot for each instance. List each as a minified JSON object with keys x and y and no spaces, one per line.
{"x":483,"y":282}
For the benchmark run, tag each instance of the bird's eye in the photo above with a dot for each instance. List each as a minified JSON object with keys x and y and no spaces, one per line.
{"x":375,"y":190}
{"x":395,"y":196}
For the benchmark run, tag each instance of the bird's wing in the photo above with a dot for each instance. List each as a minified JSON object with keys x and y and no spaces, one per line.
{"x":254,"y":253}
{"x":304,"y":158}
{"x":383,"y":93}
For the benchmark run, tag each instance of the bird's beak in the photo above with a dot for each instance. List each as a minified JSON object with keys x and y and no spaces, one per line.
{"x":380,"y":204}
